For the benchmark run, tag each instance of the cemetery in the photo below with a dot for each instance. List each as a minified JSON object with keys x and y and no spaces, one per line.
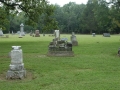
{"x":92,"y":63}
{"x":48,"y":46}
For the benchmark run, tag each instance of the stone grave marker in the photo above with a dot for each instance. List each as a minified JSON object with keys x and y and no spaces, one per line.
{"x":106,"y":34}
{"x":1,"y":32}
{"x":74,"y":40}
{"x":57,"y":34}
{"x":16,"y":68}
{"x":22,"y":30}
{"x":37,"y":34}
{"x":93,"y":34}
{"x":60,"y":47}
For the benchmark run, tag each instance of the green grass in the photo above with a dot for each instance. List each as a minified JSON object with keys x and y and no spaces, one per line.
{"x":95,"y":65}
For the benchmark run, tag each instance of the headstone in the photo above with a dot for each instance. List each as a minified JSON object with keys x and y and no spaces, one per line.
{"x":57,"y":34}
{"x":60,"y":47}
{"x":1,"y":33}
{"x":74,"y":40}
{"x":22,"y":30}
{"x":16,"y":68}
{"x":37,"y":33}
{"x":93,"y":34}
{"x":106,"y":34}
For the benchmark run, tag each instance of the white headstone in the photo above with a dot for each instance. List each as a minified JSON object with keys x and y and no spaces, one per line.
{"x":1,"y":33}
{"x":16,"y":68}
{"x":57,"y":34}
{"x":22,"y":30}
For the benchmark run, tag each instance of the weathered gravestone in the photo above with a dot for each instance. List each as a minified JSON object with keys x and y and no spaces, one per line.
{"x":57,"y":34}
{"x":16,"y":68}
{"x":106,"y":34}
{"x":37,"y":33}
{"x":1,"y":33}
{"x":60,"y":47}
{"x":93,"y":34}
{"x":22,"y":30}
{"x":74,"y":40}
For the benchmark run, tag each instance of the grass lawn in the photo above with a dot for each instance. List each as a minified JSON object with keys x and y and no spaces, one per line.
{"x":95,"y":65}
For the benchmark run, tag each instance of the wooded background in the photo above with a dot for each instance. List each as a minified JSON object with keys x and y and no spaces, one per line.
{"x":97,"y":16}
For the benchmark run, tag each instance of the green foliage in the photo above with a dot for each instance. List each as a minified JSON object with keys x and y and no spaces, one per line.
{"x":32,"y":9}
{"x":97,"y":16}
{"x":3,"y":18}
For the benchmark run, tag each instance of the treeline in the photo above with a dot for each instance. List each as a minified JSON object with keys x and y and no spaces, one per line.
{"x":97,"y":16}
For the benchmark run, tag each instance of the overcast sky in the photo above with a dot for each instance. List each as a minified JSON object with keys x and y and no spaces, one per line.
{"x":62,"y":2}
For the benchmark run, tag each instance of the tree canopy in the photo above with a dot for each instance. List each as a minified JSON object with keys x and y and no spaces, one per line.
{"x":98,"y":16}
{"x":32,"y":9}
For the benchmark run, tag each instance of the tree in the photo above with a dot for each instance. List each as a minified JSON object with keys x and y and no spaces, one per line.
{"x":33,"y":9}
{"x":3,"y":18}
{"x":88,"y":18}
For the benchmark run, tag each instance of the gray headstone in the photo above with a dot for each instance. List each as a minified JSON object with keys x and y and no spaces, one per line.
{"x":74,"y":40}
{"x":1,"y":33}
{"x":93,"y":34}
{"x":22,"y":30}
{"x":37,"y":34}
{"x":16,"y":68}
{"x":106,"y":34}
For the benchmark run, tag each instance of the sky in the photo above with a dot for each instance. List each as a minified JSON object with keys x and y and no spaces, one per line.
{"x":62,"y":2}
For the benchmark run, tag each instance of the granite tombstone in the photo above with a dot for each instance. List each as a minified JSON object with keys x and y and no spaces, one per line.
{"x":37,"y":34}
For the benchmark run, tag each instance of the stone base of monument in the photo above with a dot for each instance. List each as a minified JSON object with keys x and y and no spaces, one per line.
{"x":62,"y":48}
{"x":61,"y":53}
{"x":74,"y":43}
{"x":37,"y":35}
{"x":16,"y":74}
